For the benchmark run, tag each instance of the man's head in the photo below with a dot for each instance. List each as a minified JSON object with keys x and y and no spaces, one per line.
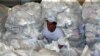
{"x":51,"y":25}
{"x":51,"y":22}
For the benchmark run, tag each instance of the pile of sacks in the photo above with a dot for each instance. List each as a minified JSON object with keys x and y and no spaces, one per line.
{"x":25,"y":22}
{"x":23,"y":27}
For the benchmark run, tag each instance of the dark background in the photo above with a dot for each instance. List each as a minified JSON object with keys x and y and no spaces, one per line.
{"x":11,"y":3}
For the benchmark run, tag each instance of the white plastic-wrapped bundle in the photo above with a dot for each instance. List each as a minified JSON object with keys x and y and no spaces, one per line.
{"x":89,"y":27}
{"x":66,"y":50}
{"x":64,"y":19}
{"x":52,"y":7}
{"x":90,"y":31}
{"x":22,"y":52}
{"x":89,"y":11}
{"x":3,"y":14}
{"x":76,"y":11}
{"x":91,"y":34}
{"x":68,"y":21}
{"x":3,"y":17}
{"x":53,"y":46}
{"x":4,"y":48}
{"x":86,"y":51}
{"x":15,"y":44}
{"x":63,"y":41}
{"x":98,"y":23}
{"x":31,"y":52}
{"x":32,"y":44}
{"x":9,"y":36}
{"x":90,"y":14}
{"x":22,"y":44}
{"x":97,"y":49}
{"x":25,"y":19}
{"x":92,"y":1}
{"x":9,"y":54}
{"x":47,"y":52}
{"x":16,"y":40}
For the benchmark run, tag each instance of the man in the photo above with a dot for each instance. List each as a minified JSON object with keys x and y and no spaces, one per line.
{"x":51,"y":31}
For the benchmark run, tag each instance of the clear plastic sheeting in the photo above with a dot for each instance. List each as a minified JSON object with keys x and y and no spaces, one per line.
{"x":81,"y":26}
{"x":67,"y":50}
{"x":25,"y":19}
{"x":68,"y":23}
{"x":89,"y":11}
{"x":9,"y":54}
{"x":4,"y":49}
{"x":90,"y":34}
{"x":3,"y":17}
{"x":97,"y":49}
{"x":32,"y":44}
{"x":86,"y":51}
{"x":53,"y":46}
{"x":15,"y":44}
{"x":13,"y":40}
{"x":66,"y":19}
{"x":47,"y":52}
{"x":18,"y":41}
{"x":90,"y":14}
{"x":52,"y":8}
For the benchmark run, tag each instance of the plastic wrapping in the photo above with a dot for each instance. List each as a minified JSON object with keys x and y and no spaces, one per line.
{"x":32,"y":44}
{"x":89,"y":11}
{"x":52,"y":8}
{"x":97,"y":49}
{"x":25,"y":19}
{"x":86,"y":51}
{"x":25,"y":22}
{"x":90,"y":14}
{"x":9,"y":36}
{"x":18,"y":41}
{"x":53,"y":46}
{"x":4,"y":49}
{"x":68,"y":22}
{"x":9,"y":54}
{"x":98,"y":24}
{"x":66,"y":50}
{"x":47,"y":52}
{"x":15,"y":44}
{"x":22,"y":52}
{"x":90,"y":34}
{"x":3,"y":17}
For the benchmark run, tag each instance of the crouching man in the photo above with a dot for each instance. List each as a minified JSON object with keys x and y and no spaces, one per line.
{"x":51,"y":32}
